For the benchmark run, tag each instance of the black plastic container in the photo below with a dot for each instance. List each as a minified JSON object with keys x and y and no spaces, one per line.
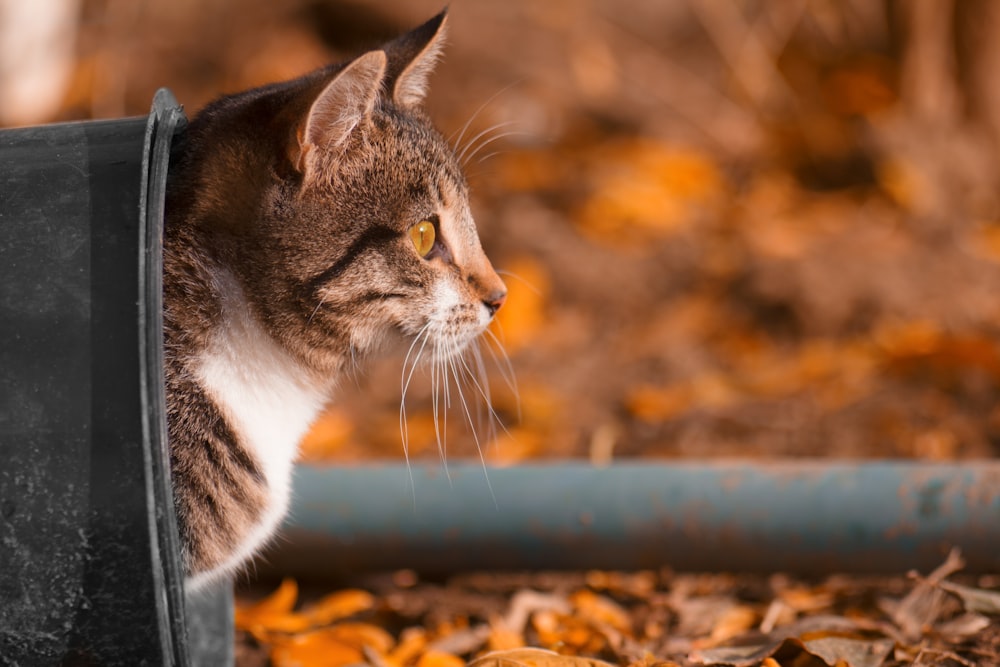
{"x":89,"y":559}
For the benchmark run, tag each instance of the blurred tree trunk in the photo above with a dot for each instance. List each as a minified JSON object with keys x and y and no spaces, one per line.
{"x":949,"y":87}
{"x":977,"y":47}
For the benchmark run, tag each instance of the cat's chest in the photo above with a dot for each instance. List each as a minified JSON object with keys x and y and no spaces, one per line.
{"x":264,"y":394}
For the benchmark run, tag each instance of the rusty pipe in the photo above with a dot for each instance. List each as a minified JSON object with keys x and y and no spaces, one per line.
{"x":802,"y":516}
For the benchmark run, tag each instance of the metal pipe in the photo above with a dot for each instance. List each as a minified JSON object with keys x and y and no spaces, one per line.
{"x":806,"y":517}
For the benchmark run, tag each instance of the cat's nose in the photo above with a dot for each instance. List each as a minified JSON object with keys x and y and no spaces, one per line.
{"x":494,"y":300}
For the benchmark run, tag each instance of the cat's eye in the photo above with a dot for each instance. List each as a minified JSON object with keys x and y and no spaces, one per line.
{"x":422,"y":234}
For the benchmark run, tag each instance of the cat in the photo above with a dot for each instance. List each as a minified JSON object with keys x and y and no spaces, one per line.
{"x":306,"y":222}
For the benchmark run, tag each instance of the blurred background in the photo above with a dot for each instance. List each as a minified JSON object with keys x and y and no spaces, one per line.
{"x":732,"y":228}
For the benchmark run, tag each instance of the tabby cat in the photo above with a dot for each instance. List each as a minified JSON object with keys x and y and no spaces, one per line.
{"x":307,"y":221}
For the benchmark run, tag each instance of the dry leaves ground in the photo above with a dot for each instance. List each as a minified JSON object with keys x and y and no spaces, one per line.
{"x":641,"y":618}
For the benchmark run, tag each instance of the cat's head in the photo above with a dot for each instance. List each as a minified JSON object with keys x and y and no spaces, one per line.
{"x":365,"y":225}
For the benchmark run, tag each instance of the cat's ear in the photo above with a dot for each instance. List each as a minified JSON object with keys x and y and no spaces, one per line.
{"x":343,"y":105}
{"x":411,"y":60}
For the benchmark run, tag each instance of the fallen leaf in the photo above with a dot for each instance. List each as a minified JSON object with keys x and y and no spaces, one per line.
{"x":281,"y":601}
{"x":597,"y":608}
{"x":639,"y":584}
{"x":736,"y":656}
{"x":831,"y":650}
{"x":340,"y":604}
{"x":360,"y":636}
{"x":440,"y":659}
{"x":314,"y":649}
{"x":733,"y":622}
{"x":698,"y":616}
{"x":854,"y":652}
{"x":803,"y":599}
{"x":650,"y":661}
{"x":922,"y":605}
{"x":504,"y":638}
{"x":272,"y":614}
{"x":412,"y":642}
{"x":966,"y":625}
{"x":534,"y":657}
{"x":974,"y":599}
{"x":524,"y":603}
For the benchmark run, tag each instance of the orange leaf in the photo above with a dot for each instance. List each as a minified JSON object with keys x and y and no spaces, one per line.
{"x":597,"y":608}
{"x":314,"y":649}
{"x":440,"y":659}
{"x":503,"y":638}
{"x":411,"y":643}
{"x":548,"y":626}
{"x":277,"y":604}
{"x":640,"y":584}
{"x":338,"y":605}
{"x":535,"y":657}
{"x":361,"y":635}
{"x":265,"y":627}
{"x":734,"y":621}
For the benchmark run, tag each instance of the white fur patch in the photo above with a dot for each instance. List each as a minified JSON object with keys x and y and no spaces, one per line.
{"x":446,"y":299}
{"x":269,"y":402}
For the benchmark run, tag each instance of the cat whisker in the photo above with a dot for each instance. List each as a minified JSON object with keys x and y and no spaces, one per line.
{"x":485,"y":393}
{"x":442,"y":401}
{"x":434,"y":396}
{"x":315,"y":310}
{"x":487,"y":142}
{"x":477,"y":354}
{"x":483,"y":387}
{"x":422,"y":337}
{"x":505,"y":367}
{"x":496,"y":137}
{"x":461,"y":156}
{"x":355,"y":366}
{"x":438,"y":375}
{"x":472,"y":427}
{"x":490,"y":155}
{"x":483,"y":426}
{"x":521,"y":279}
{"x":458,"y":142}
{"x":403,"y":429}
